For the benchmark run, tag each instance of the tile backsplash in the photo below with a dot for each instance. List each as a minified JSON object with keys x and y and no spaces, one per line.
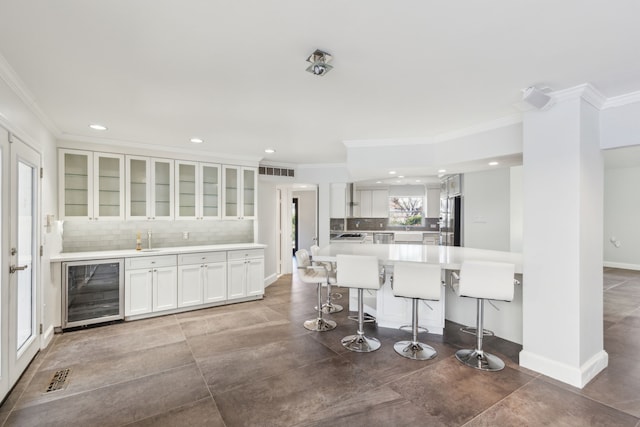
{"x":84,"y":236}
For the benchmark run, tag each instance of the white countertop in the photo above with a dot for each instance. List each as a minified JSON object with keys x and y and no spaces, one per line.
{"x":449,"y":257}
{"x":129,"y":253}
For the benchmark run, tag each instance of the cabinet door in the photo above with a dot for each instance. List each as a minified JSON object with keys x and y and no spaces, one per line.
{"x":165,"y":288}
{"x":215,"y":282}
{"x":231,"y":192}
{"x":236,"y":281}
{"x":365,"y":203}
{"x":75,"y":192}
{"x":357,"y":204}
{"x":338,"y":200}
{"x":209,"y":195}
{"x":249,"y":193}
{"x":186,"y":190}
{"x":255,"y":277}
{"x":137,"y":197}
{"x":379,"y":203}
{"x":108,"y":191}
{"x":138,"y":292}
{"x":162,"y":192}
{"x":190,"y":281}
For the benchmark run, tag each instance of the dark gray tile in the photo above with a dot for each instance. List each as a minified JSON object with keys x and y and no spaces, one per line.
{"x":118,"y":404}
{"x":541,"y":403}
{"x":294,"y":396}
{"x":455,"y":393}
{"x":203,"y":413}
{"x":89,"y":375}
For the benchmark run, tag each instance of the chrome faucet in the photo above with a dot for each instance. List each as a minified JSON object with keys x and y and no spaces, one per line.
{"x":149,"y":238}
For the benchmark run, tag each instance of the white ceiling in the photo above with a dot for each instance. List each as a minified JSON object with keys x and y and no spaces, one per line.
{"x":233,"y":72}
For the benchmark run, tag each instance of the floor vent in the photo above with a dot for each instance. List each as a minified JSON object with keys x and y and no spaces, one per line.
{"x":59,"y":380}
{"x":273,"y":171}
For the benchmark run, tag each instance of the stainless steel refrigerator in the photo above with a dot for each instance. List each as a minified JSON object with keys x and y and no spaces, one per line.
{"x":451,"y":221}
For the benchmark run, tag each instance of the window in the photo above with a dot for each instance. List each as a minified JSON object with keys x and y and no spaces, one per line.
{"x":406,"y":211}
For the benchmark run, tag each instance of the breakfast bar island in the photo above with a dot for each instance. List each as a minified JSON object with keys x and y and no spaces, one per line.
{"x":394,"y":312}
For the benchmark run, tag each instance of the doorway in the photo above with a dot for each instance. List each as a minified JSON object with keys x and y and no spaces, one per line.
{"x":294,"y":226}
{"x":20,"y":317}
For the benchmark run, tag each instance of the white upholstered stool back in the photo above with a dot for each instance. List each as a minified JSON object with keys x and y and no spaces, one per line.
{"x":487,"y":280}
{"x":358,"y":271}
{"x":302,"y":258}
{"x":417,"y":280}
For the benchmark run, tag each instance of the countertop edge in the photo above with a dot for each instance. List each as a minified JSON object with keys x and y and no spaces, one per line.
{"x":132,"y":253}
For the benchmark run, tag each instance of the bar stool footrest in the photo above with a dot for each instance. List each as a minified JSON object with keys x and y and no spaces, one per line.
{"x":472,"y":330}
{"x":409,"y":328}
{"x":330,"y":308}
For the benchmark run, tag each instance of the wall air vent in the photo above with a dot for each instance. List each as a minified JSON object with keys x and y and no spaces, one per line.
{"x":275,"y":171}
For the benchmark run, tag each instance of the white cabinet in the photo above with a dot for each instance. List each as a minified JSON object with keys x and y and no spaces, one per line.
{"x":245,"y":273}
{"x":372,"y":203}
{"x":149,"y":188}
{"x":202,"y":278}
{"x":239,"y":192}
{"x":433,"y":202}
{"x":197,"y":190}
{"x":338,"y":194}
{"x":91,"y":185}
{"x":150,"y":284}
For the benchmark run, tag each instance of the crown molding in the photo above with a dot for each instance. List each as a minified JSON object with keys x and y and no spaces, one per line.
{"x":321,"y":165}
{"x":10,"y":77}
{"x":584,"y":91}
{"x":622,"y":100}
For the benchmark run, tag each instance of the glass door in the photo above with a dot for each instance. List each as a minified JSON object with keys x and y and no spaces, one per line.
{"x":162,"y":179}
{"x":76,"y":184}
{"x":249,"y":183}
{"x":24,"y":339}
{"x":231,"y":193}
{"x":210,"y":190}
{"x":186,"y":190}
{"x":137,"y":194}
{"x":109,"y":186}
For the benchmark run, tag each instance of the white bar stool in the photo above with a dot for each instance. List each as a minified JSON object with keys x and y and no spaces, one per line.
{"x":490,"y":281}
{"x":314,"y":274}
{"x":360,"y":272}
{"x":329,"y":306}
{"x":418,"y":281}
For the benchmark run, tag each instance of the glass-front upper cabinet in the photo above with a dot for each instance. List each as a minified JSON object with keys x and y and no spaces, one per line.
{"x":149,"y":188}
{"x":239,"y":192}
{"x":91,"y":185}
{"x":197,"y":190}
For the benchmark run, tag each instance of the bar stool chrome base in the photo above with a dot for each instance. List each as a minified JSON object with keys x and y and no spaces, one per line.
{"x":480,"y":360}
{"x":331,"y":308}
{"x":360,"y":343}
{"x":320,"y":325}
{"x":409,"y":328}
{"x":415,"y":350}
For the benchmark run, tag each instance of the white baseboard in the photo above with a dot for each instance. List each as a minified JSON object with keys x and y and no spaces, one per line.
{"x":47,"y":336}
{"x":577,"y":376}
{"x":621,"y":265}
{"x":270,"y":279}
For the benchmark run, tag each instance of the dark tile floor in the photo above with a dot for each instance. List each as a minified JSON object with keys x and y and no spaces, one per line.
{"x":253,"y":364}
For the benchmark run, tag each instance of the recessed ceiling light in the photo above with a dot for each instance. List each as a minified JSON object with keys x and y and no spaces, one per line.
{"x":417,"y":180}
{"x":442,"y":170}
{"x":96,"y":126}
{"x":378,"y":182}
{"x":269,"y":150}
{"x":197,"y":140}
{"x":400,"y":176}
{"x":392,"y":172}
{"x":493,"y":163}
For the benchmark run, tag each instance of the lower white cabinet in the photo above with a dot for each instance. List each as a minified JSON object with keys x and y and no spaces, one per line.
{"x":173,"y":282}
{"x":202,"y":278}
{"x":150,"y":284}
{"x":246,"y":273}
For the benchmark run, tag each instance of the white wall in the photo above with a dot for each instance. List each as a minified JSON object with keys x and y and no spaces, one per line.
{"x":621,"y":216}
{"x":517,"y":208}
{"x":486,"y":210}
{"x":307,"y":215}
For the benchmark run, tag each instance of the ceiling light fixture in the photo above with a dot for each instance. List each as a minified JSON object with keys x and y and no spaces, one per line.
{"x":319,"y":63}
{"x":197,"y":140}
{"x":392,"y":172}
{"x":442,"y":170}
{"x":269,"y":150}
{"x":96,"y":126}
{"x":493,"y":163}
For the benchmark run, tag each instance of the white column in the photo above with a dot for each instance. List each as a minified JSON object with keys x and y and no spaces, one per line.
{"x":324,"y":207}
{"x":562,"y":236}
